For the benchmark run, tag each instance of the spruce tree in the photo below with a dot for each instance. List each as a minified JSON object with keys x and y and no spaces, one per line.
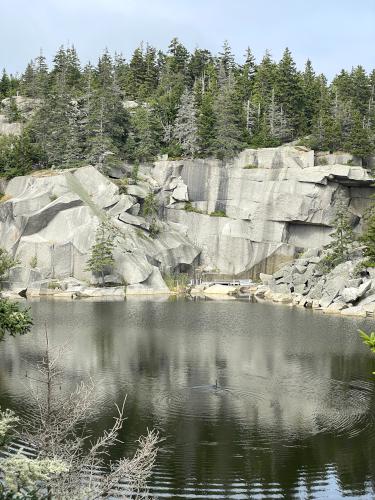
{"x":178,"y":56}
{"x":144,"y":141}
{"x":101,"y":260}
{"x":288,"y":90}
{"x":206,"y":123}
{"x":229,"y":130}
{"x":368,"y":239}
{"x":359,"y":141}
{"x":342,"y":239}
{"x":185,"y":130}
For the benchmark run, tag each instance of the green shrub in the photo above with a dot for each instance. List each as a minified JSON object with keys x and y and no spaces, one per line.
{"x":54,"y":285}
{"x":123,"y":186}
{"x":218,"y":213}
{"x":154,"y":229}
{"x":150,"y":205}
{"x":140,"y":233}
{"x":6,"y":263}
{"x":134,"y":174}
{"x":176,"y":282}
{"x":250,"y":166}
{"x":190,"y":208}
{"x":33,"y":262}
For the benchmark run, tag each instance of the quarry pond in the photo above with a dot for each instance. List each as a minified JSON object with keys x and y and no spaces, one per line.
{"x":252,"y":400}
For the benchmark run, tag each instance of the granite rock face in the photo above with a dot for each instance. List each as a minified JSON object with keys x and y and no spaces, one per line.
{"x":276,"y":202}
{"x":49,"y":220}
{"x":237,"y":219}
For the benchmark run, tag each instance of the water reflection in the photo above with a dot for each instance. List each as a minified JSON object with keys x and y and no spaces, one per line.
{"x":292,"y":416}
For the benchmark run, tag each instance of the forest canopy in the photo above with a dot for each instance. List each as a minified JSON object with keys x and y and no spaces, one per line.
{"x":179,"y":103}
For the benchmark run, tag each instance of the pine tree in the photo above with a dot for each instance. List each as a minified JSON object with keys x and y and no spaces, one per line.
{"x":226,"y":59}
{"x":360,"y":89}
{"x":288,"y":90}
{"x":12,"y":112}
{"x":144,"y":140}
{"x":4,"y":85}
{"x":167,"y":99}
{"x":206,"y":123}
{"x":185,"y":129}
{"x":101,"y":260}
{"x":229,"y":137}
{"x":279,"y":127}
{"x":245,"y":79}
{"x":178,"y":57}
{"x":342,"y":239}
{"x":137,"y":67}
{"x":41,"y":76}
{"x":264,"y":81}
{"x":311,"y":94}
{"x":197,"y":68}
{"x":368,"y":239}
{"x":359,"y":141}
{"x":28,"y":81}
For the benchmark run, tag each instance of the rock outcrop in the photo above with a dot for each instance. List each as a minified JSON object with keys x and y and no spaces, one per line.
{"x":49,"y":220}
{"x":237,"y":219}
{"x":302,"y":283}
{"x":276,"y":203}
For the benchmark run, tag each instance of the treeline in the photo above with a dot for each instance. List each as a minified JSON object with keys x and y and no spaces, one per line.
{"x":185,"y":104}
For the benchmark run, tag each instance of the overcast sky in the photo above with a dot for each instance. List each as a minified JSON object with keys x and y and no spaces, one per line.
{"x":334,"y":34}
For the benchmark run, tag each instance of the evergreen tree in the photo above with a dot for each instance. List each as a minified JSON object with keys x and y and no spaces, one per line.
{"x":342,"y":239}
{"x":197,"y":68}
{"x":4,"y":85}
{"x":361,"y":89}
{"x":359,"y":142}
{"x":226,"y":59}
{"x":264,"y":81}
{"x":28,"y":81}
{"x":144,"y":140}
{"x":288,"y":90}
{"x":12,"y":113}
{"x":40,"y":76}
{"x":228,"y":137}
{"x":206,"y":123}
{"x":185,"y":127}
{"x":178,"y":56}
{"x":245,"y":82}
{"x":311,"y":95}
{"x":101,"y":260}
{"x":279,"y":128}
{"x":368,"y":239}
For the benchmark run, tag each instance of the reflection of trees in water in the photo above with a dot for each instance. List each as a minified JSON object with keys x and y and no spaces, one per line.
{"x":284,"y":387}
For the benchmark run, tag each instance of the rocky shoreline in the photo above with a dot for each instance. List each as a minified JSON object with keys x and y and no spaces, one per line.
{"x":299,"y":283}
{"x":302,"y":283}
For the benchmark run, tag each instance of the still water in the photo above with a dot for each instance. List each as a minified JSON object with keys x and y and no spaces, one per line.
{"x":292,"y":415}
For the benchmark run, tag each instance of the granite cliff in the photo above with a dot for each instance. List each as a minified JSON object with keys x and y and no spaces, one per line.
{"x":239,"y":218}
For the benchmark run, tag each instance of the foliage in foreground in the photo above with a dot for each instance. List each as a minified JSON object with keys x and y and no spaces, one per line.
{"x":68,"y":464}
{"x":14,"y":320}
{"x":368,"y":339}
